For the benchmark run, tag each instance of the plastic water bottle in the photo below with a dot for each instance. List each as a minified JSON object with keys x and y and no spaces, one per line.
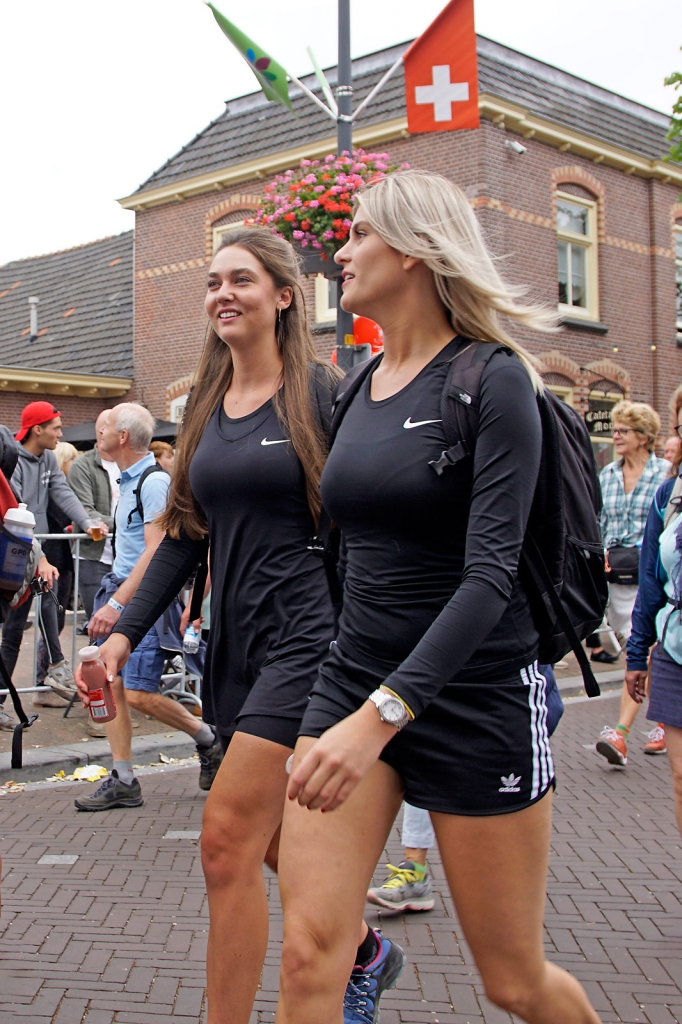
{"x":190,"y":644}
{"x":16,"y":540}
{"x":102,"y":704}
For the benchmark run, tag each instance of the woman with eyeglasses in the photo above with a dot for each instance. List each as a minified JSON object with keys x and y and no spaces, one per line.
{"x":657,"y":616}
{"x":628,"y":487}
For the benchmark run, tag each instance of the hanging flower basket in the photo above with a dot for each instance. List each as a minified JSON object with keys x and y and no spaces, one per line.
{"x":310,"y":206}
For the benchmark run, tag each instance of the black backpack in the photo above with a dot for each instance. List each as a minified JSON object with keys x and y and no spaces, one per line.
{"x":562,"y":560}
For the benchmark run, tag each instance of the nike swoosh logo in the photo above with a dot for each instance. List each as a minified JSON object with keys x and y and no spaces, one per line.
{"x":408,"y":424}
{"x":265,"y":441}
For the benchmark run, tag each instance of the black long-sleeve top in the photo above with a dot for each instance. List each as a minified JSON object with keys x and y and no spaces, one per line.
{"x":431,"y":586}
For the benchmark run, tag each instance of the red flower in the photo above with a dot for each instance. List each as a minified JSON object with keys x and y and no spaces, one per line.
{"x":305,"y":224}
{"x":338,"y":223}
{"x":290,"y":216}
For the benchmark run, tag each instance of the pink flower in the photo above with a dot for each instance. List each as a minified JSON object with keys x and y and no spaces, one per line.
{"x":313,"y":203}
{"x":319,"y":188}
{"x":298,"y":235}
{"x":327,"y":235}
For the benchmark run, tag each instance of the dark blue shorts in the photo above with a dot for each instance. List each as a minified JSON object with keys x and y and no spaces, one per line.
{"x":145,"y":665}
{"x":665,"y":689}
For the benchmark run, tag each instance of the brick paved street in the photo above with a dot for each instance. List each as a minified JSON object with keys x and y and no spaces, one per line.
{"x":119,"y":935}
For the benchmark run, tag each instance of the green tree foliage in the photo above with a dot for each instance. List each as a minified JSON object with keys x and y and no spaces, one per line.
{"x":674,"y":134}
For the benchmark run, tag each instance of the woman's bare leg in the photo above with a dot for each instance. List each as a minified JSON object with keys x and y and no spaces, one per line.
{"x":673,"y":739}
{"x":326,"y":863}
{"x":241,"y":818}
{"x":497,"y":870}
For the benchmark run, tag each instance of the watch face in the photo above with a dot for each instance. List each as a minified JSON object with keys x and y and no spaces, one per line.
{"x":392,"y":711}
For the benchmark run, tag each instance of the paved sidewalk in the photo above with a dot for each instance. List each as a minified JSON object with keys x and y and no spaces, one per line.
{"x":119,"y":935}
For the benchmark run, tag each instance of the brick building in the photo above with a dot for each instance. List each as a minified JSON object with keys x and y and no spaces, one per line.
{"x":567,"y":179}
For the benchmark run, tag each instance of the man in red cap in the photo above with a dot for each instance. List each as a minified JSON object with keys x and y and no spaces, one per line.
{"x":36,"y":481}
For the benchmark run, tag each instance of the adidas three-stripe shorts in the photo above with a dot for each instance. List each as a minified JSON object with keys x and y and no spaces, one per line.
{"x":477,"y":749}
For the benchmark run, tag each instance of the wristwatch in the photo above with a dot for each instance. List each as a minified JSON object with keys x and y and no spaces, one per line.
{"x":116,"y":606}
{"x":391,"y":709}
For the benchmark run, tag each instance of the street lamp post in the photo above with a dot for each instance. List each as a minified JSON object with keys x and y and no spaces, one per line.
{"x":344,"y":125}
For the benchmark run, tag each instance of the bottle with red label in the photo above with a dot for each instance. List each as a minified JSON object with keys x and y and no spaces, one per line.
{"x":102,"y":706}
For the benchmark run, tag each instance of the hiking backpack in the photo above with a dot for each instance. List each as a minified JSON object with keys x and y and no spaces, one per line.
{"x":562,"y":559}
{"x":138,"y":506}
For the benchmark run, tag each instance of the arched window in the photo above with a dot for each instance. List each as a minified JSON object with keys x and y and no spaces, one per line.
{"x":577,"y":266}
{"x":230,"y":222}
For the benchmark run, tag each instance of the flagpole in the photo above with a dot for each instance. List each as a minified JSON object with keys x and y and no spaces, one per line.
{"x":344,"y":122}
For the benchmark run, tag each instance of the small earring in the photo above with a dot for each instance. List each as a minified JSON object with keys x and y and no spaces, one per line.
{"x":279,"y":314}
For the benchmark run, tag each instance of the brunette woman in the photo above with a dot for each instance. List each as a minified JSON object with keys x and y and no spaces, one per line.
{"x":436,"y":633}
{"x":246,"y":479}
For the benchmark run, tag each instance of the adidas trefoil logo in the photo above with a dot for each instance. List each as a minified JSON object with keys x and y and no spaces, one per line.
{"x":510,"y":783}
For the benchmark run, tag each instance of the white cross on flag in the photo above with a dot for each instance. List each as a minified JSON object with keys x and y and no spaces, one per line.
{"x":441,"y":73}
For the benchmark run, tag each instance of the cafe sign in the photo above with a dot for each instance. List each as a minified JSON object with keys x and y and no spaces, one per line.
{"x":598,"y":418}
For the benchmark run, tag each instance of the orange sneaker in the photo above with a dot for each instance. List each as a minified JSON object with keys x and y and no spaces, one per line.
{"x":611,"y":745}
{"x":656,"y":744}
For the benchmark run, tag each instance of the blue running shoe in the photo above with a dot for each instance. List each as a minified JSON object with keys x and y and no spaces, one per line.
{"x":366,"y":985}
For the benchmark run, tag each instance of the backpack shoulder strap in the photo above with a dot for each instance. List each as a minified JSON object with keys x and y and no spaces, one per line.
{"x":346,"y":390}
{"x":460,"y":400}
{"x":674,"y":506}
{"x":139,"y":507}
{"x":344,"y":393}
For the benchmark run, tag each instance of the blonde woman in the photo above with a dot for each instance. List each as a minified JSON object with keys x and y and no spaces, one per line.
{"x":628,"y":487}
{"x":436,"y":634}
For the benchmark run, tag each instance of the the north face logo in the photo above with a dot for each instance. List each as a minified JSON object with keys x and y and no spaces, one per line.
{"x":510,"y":783}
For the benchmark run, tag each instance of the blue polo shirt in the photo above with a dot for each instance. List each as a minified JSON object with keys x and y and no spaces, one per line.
{"x":130,"y":535}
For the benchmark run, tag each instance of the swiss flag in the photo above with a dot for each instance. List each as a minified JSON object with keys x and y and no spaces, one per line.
{"x":441,"y":73}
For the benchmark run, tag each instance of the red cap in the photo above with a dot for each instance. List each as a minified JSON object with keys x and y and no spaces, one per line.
{"x":34,"y":414}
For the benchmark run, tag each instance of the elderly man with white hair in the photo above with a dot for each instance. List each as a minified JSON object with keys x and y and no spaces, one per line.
{"x":124,"y":435}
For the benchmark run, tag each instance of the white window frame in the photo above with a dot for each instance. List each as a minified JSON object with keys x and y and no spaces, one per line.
{"x":589,"y":243}
{"x":324,"y":313}
{"x":678,"y":271}
{"x":177,"y":407}
{"x":222,"y":229}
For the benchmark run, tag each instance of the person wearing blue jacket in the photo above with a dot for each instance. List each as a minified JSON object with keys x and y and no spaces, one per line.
{"x":657,"y":618}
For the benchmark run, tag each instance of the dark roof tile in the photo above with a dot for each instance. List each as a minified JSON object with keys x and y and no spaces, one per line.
{"x":85,"y":315}
{"x":250,"y":127}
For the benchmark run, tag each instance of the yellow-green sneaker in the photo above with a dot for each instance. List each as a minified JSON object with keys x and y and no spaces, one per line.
{"x":408,"y":887}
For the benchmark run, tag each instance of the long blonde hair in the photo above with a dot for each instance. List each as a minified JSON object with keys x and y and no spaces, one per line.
{"x":214,"y":374}
{"x":424,"y":215}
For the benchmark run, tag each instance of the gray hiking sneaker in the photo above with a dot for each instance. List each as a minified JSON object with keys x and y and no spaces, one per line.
{"x":112,"y":793}
{"x":210,"y":759}
{"x":6,"y":721}
{"x":60,"y":678}
{"x":408,"y":887}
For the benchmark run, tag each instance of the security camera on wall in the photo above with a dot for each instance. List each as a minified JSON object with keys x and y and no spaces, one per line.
{"x":515,"y":146}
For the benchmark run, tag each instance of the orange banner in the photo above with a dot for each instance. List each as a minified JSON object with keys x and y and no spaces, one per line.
{"x":441,"y":73}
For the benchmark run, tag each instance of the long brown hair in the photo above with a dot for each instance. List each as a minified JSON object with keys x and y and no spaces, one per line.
{"x":295,"y":410}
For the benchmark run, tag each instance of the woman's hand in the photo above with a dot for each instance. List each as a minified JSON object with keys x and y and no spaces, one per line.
{"x":340,"y":759}
{"x":114,"y":652}
{"x":636,"y":684}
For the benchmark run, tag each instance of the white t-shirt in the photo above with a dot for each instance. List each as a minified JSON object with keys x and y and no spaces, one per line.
{"x":114,"y":474}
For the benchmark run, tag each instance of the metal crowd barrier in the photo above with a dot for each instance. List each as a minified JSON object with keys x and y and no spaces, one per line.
{"x":174,"y":685}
